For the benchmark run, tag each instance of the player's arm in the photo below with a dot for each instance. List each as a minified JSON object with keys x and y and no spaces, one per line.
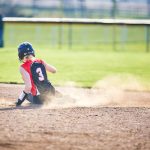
{"x":49,"y":68}
{"x":26,"y":78}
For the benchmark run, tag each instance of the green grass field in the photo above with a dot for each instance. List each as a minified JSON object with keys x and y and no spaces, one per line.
{"x":84,"y":68}
{"x":91,"y":58}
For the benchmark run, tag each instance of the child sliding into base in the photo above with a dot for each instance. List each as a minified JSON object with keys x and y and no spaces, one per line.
{"x":37,"y":88}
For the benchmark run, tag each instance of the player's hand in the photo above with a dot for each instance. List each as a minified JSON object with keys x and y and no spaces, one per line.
{"x":18,"y":103}
{"x":21,"y":98}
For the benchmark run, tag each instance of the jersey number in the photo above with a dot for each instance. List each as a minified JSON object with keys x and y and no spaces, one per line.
{"x":39,"y":71}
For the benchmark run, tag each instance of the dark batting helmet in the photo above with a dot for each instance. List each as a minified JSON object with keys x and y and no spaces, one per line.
{"x":25,"y":49}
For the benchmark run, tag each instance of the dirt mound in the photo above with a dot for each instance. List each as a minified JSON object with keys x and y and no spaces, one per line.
{"x":84,"y":119}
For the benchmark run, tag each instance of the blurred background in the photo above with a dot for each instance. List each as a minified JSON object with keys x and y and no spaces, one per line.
{"x":76,"y":8}
{"x":102,"y":37}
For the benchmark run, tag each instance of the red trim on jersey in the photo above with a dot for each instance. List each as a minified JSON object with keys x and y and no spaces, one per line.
{"x":27,"y":66}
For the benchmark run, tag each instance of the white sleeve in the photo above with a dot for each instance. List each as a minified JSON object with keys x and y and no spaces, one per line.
{"x":26,"y":79}
{"x":50,"y":68}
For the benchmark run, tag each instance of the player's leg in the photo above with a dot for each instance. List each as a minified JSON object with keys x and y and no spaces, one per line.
{"x":52,"y":90}
{"x":30,"y":98}
{"x":37,"y":99}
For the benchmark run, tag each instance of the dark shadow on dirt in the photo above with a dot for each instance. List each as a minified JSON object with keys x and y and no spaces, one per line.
{"x":22,"y":107}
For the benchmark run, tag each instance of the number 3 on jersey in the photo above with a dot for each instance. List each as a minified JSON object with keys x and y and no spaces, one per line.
{"x":39,"y":72}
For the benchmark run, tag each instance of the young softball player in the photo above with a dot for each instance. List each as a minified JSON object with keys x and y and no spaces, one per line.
{"x":37,"y":88}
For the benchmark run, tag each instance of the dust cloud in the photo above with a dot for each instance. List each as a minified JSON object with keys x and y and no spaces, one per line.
{"x":110,"y":91}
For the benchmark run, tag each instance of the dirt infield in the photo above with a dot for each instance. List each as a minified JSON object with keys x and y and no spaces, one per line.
{"x":94,"y":119}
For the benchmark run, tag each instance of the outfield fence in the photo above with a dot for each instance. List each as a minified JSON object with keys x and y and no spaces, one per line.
{"x":102,"y":34}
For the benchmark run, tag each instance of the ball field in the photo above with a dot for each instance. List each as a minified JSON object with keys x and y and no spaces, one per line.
{"x":105,"y":103}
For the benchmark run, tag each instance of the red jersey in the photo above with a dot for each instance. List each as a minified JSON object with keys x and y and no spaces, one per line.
{"x":27,"y":67}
